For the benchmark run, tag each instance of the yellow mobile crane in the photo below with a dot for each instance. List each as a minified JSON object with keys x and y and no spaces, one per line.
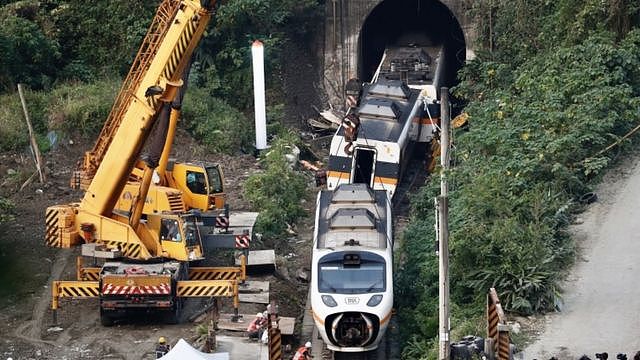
{"x":175,"y":186}
{"x":146,"y":257}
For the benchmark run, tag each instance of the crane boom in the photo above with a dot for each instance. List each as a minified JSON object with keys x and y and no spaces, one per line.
{"x":173,"y":35}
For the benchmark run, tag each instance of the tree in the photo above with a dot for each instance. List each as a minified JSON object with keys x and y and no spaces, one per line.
{"x":28,"y":56}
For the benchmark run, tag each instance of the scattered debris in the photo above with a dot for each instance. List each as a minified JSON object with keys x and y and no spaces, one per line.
{"x":588,"y":198}
{"x":290,"y":230}
{"x":329,"y":119}
{"x":302,"y":275}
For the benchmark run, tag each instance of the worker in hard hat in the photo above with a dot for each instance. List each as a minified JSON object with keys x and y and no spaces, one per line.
{"x":304,"y":352}
{"x":162,"y":348}
{"x":256,"y":326}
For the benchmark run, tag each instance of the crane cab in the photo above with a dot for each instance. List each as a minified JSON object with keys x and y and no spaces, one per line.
{"x":182,"y":187}
{"x":201,"y":184}
{"x":179,"y":237}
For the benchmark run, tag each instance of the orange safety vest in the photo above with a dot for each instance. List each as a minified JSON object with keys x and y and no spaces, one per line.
{"x":300,"y":354}
{"x":254,"y":325}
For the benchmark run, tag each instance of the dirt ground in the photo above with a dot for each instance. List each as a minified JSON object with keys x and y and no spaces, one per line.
{"x":27,"y":267}
{"x":601,"y":311}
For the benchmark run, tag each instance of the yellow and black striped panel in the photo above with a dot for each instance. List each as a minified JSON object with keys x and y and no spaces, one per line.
{"x":275,"y":344}
{"x":503,"y":345}
{"x":89,"y":274}
{"x":52,"y":228}
{"x":76,"y":289}
{"x":130,"y":250}
{"x":492,"y":323}
{"x":181,"y":47}
{"x":205,"y":288}
{"x":209,"y":273}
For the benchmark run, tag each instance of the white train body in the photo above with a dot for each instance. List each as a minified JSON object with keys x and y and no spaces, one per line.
{"x":399,"y":108}
{"x":352,"y":267}
{"x":352,"y":264}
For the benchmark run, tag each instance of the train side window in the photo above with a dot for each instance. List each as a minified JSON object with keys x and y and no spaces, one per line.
{"x":196,"y":182}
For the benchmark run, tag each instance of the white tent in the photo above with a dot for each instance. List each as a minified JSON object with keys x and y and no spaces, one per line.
{"x":183,"y":351}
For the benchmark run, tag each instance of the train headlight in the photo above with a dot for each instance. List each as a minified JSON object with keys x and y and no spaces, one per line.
{"x":375,"y":300}
{"x":329,"y":301}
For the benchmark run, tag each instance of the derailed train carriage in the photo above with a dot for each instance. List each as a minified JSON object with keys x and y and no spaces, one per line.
{"x":352,"y":267}
{"x":394,"y":112}
{"x":352,"y":263}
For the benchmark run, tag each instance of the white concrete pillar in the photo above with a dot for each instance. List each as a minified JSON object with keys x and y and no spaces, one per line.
{"x":257,"y":52}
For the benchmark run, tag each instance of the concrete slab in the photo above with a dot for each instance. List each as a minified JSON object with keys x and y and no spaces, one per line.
{"x":260,"y":261}
{"x":260,"y":257}
{"x":240,"y":348}
{"x":287,"y":324}
{"x":225,"y":323}
{"x":242,"y":218}
{"x":253,"y":291}
{"x":259,"y":298}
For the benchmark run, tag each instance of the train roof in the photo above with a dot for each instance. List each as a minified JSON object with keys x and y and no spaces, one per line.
{"x":353,"y":215}
{"x":417,"y":65}
{"x":384,"y":110}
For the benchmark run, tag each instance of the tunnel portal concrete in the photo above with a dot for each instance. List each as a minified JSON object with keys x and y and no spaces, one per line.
{"x":357,"y":31}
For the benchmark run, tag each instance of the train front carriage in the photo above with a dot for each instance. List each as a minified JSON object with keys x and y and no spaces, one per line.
{"x":352,"y":278}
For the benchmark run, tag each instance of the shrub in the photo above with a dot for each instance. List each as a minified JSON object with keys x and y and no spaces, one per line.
{"x":218,"y":125}
{"x":72,"y":108}
{"x":81,"y":108}
{"x":277,"y":191}
{"x":28,"y":56}
{"x":13,"y":128}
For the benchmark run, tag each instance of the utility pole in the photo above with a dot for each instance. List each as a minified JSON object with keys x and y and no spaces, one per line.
{"x":443,"y":230}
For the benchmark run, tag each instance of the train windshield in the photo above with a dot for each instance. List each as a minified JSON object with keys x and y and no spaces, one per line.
{"x":338,"y":277}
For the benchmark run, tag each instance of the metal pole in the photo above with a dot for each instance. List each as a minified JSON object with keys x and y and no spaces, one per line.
{"x":443,"y":212}
{"x":445,"y":117}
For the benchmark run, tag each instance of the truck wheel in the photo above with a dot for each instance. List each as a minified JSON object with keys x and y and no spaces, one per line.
{"x":173,"y":317}
{"x":105,"y":319}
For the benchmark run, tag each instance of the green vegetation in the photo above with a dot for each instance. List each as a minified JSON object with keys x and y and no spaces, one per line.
{"x":28,"y":54}
{"x":6,"y":210}
{"x":69,"y":107}
{"x":553,"y":91}
{"x":73,"y":57}
{"x":278,"y":190}
{"x":218,"y":125}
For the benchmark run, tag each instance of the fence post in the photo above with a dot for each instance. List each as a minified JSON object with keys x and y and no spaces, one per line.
{"x":497,"y":329}
{"x":275,"y":337}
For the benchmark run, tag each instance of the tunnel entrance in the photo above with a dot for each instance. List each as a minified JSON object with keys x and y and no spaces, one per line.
{"x":398,"y":23}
